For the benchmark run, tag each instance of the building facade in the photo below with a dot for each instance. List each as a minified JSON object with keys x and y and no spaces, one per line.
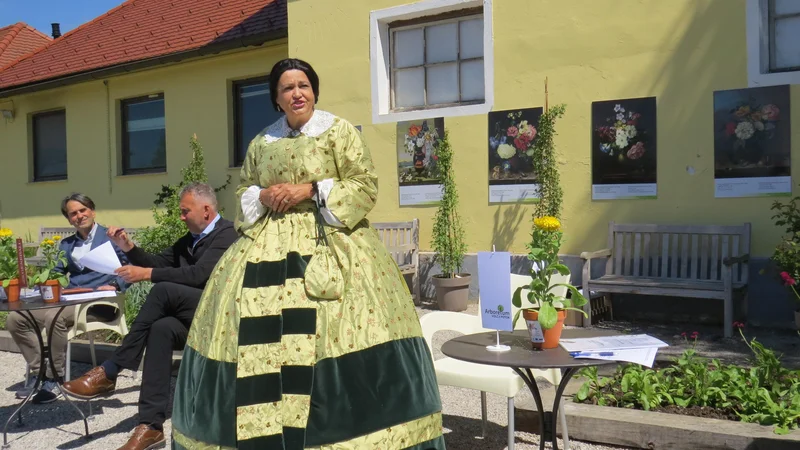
{"x":384,"y":62}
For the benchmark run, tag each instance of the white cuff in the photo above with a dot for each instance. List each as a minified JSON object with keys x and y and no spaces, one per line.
{"x":252,"y":209}
{"x":325,"y":187}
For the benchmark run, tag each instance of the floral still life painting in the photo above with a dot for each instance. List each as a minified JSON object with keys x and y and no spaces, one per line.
{"x":416,"y":145}
{"x":752,"y":132}
{"x":511,"y":137}
{"x":624,"y":141}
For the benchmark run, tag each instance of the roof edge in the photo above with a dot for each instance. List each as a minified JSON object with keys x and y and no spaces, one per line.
{"x":74,"y":78}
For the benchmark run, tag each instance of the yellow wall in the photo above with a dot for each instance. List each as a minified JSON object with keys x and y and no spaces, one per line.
{"x":678,"y":50}
{"x":197,"y":100}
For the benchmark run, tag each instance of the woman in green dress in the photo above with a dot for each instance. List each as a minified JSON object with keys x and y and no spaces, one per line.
{"x":267,"y":366}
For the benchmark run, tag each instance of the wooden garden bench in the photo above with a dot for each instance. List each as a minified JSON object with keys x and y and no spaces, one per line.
{"x":402,"y":241}
{"x":694,"y":261}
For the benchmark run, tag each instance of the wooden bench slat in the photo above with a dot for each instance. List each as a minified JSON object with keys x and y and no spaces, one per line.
{"x":714,"y":257}
{"x":618,"y":254}
{"x":646,"y":255}
{"x":627,"y":280}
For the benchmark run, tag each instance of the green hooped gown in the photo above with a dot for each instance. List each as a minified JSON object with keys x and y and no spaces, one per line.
{"x":265,"y":366}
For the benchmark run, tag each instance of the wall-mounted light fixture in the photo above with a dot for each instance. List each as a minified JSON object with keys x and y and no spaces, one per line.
{"x":7,"y":113}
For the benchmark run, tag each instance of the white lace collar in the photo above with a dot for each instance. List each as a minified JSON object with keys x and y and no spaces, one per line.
{"x":319,"y":123}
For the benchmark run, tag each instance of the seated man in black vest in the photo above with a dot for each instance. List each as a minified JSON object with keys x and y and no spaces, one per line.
{"x":162,"y":325}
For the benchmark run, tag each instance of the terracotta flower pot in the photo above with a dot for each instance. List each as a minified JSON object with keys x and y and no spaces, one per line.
{"x":51,"y":291}
{"x":12,"y":291}
{"x":543,"y":339}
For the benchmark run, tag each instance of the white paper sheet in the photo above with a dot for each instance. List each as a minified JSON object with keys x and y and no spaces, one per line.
{"x":102,"y":259}
{"x":611,"y":343}
{"x":88,"y":295}
{"x":643,"y":356}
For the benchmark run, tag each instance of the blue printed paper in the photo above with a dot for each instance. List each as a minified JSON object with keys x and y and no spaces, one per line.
{"x":494,"y":280}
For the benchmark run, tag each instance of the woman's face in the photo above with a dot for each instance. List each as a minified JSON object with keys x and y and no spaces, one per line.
{"x":295,"y":95}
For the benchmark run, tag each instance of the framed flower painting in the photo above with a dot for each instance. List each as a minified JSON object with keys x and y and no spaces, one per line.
{"x":417,"y":170}
{"x":512,"y":134}
{"x":752,"y":142}
{"x":624,"y":149}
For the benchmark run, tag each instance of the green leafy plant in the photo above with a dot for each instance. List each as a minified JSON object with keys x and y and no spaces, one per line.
{"x":766,"y":393}
{"x":166,"y":211}
{"x":448,"y":234}
{"x":786,"y":255}
{"x":53,"y":257}
{"x":8,"y":257}
{"x":545,"y":164}
{"x":543,"y":252}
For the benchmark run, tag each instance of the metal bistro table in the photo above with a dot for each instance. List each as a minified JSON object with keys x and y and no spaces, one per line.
{"x":25,"y":307}
{"x":522,"y":358}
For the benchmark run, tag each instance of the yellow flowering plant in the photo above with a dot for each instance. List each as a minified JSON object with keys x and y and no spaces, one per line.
{"x":543,"y":252}
{"x":53,"y":257}
{"x":8,"y":257}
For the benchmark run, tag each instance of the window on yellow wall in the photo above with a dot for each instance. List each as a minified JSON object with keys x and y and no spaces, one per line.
{"x":253,"y":112}
{"x":784,"y":35}
{"x":144,"y":136}
{"x":50,"y":146}
{"x":437,"y":61}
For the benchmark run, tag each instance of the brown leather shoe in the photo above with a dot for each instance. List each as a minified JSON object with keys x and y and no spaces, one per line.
{"x":90,"y":385}
{"x":144,"y":438}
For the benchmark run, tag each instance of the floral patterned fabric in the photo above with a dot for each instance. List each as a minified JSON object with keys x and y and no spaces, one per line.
{"x":266,"y":366}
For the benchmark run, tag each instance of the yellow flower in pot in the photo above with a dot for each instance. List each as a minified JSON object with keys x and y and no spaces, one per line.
{"x":51,"y":278}
{"x":546,"y":317}
{"x":9,"y":272}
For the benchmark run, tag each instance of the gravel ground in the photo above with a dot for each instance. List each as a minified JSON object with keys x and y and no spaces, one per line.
{"x":58,"y":426}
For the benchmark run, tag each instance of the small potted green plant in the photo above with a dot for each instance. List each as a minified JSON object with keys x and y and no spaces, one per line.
{"x":452,"y":286}
{"x":9,"y":272}
{"x":50,"y":281}
{"x":546,"y":316}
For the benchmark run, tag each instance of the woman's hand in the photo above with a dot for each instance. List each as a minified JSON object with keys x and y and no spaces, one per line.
{"x":281,"y":197}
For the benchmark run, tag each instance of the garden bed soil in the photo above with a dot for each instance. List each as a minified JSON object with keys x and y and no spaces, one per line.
{"x":699,"y":411}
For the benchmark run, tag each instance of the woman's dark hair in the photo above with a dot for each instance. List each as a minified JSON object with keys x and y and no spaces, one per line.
{"x":291,"y":64}
{"x":76,"y":197}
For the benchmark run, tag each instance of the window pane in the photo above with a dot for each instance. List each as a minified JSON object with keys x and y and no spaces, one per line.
{"x":442,"y":84}
{"x":50,"y":146}
{"x":408,"y":48}
{"x":254,"y":112}
{"x":146,"y":140}
{"x":441,"y":43}
{"x":471,"y":38}
{"x":409,"y":88}
{"x":787,"y":35}
{"x":472,"y":86}
{"x":787,"y":6}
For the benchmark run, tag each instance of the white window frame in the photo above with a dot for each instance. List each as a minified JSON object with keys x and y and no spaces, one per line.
{"x":380,"y":60}
{"x":758,"y":74}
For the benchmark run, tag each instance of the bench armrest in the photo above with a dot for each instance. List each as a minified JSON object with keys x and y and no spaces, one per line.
{"x":731,"y":260}
{"x":606,"y":252}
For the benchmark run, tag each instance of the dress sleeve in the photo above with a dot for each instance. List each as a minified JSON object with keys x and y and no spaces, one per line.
{"x":249,"y":208}
{"x":354,"y":194}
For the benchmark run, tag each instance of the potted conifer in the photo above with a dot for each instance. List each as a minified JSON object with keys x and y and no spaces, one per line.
{"x":452,"y":286}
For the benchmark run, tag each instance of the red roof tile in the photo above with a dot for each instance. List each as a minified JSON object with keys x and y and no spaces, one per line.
{"x":144,"y":29}
{"x":18,"y":40}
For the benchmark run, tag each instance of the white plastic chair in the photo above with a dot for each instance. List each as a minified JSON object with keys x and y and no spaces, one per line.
{"x":82,"y":325}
